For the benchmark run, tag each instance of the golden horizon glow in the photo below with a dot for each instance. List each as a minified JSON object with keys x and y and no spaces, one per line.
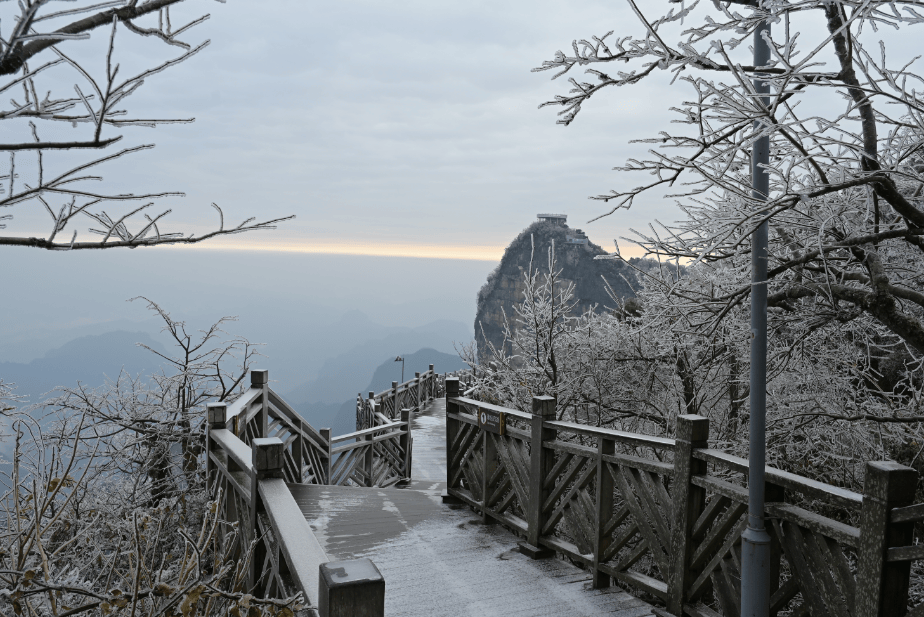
{"x":468,"y":252}
{"x":426,"y":251}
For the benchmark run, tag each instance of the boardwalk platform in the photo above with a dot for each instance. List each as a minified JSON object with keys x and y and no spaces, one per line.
{"x":442,"y":560}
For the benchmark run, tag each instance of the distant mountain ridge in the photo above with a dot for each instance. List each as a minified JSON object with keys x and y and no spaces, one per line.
{"x":88,"y":360}
{"x":342,"y":375}
{"x":342,"y":418}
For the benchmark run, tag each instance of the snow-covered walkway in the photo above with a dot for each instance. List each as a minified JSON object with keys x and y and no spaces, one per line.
{"x":441,"y":560}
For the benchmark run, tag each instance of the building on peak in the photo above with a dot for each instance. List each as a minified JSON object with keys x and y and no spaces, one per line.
{"x":560,"y":219}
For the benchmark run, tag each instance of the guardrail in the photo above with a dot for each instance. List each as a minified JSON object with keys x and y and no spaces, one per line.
{"x":386,"y":406}
{"x":665,"y":516}
{"x":378,"y":456}
{"x":286,"y":558}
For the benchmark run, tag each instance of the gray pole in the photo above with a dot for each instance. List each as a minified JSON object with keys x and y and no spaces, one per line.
{"x":755,"y":541}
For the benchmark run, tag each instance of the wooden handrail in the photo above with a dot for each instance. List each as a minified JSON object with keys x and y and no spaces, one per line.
{"x":479,"y":405}
{"x":234,"y":448}
{"x":359,"y":444}
{"x":801,"y":484}
{"x":303,"y":553}
{"x":367,"y":431}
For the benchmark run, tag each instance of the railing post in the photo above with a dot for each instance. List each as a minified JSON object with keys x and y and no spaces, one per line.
{"x":260,"y":379}
{"x":882,"y":587}
{"x":216,"y":417}
{"x":540,"y":466}
{"x":432,"y":381}
{"x":394,"y":397}
{"x":489,"y":450}
{"x":452,"y":431}
{"x":352,"y":588}
{"x":326,"y":436}
{"x":267,"y":457}
{"x":298,"y":448}
{"x":419,"y":389}
{"x":604,"y":511}
{"x":369,"y":460}
{"x":406,"y":443}
{"x":688,"y":503}
{"x":370,"y":411}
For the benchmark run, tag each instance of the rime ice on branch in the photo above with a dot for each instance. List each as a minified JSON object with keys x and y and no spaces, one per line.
{"x":47,"y":90}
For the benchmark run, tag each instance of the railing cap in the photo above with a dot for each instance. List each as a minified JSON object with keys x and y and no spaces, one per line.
{"x":259,"y":378}
{"x":216,"y":414}
{"x":890,"y":482}
{"x":692,"y":428}
{"x":267,"y":453}
{"x":544,"y":406}
{"x":351,"y":572}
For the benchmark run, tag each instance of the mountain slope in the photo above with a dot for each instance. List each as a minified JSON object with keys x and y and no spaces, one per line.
{"x":88,"y":359}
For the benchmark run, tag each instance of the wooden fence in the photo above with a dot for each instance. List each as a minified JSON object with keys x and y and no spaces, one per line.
{"x":252,"y":495}
{"x":665,"y":516}
{"x":255,"y":447}
{"x":386,"y":406}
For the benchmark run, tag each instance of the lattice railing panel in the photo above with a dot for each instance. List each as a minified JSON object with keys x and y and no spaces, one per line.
{"x":665,"y":517}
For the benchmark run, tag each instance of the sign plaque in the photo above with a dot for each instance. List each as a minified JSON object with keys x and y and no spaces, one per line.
{"x":492,"y":421}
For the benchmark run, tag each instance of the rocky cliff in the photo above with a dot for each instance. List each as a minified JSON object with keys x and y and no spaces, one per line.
{"x":505,"y":285}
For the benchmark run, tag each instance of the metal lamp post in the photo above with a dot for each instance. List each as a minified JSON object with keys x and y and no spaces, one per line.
{"x":755,"y":541}
{"x":401,"y":360}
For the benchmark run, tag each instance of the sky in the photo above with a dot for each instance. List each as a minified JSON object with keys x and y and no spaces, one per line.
{"x":401,"y":129}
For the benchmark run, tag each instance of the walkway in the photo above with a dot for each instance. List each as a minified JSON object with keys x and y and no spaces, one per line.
{"x":441,"y":560}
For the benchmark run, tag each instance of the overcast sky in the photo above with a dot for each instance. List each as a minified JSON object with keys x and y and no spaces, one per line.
{"x":387,"y":128}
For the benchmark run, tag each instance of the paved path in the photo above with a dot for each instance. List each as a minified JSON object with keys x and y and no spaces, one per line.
{"x":441,"y":560}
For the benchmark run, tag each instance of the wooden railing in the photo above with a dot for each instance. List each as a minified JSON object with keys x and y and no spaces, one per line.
{"x":386,"y":406}
{"x":260,"y":412}
{"x":378,"y":456}
{"x":413,"y":394}
{"x":665,"y":516}
{"x":249,"y":483}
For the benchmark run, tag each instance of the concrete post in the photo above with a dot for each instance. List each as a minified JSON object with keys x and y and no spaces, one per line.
{"x":216,"y":415}
{"x":490,"y":465}
{"x":352,"y":588}
{"x":260,"y":379}
{"x":370,"y":412}
{"x":688,"y":503}
{"x":406,"y":443}
{"x":369,"y":462}
{"x":326,"y":436}
{"x":267,"y":458}
{"x":882,"y":587}
{"x":540,"y":466}
{"x":604,"y":510}
{"x":452,"y":431}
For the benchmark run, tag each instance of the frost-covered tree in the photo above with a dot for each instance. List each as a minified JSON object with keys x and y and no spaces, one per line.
{"x":638,"y":365}
{"x":845,"y":205}
{"x":105,"y":507}
{"x":146,"y":432}
{"x":64,"y":117}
